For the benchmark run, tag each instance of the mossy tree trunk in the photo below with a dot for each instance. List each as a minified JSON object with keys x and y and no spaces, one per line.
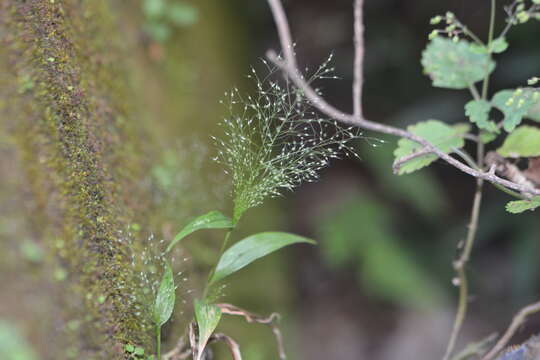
{"x":78,"y":140}
{"x":67,"y":111}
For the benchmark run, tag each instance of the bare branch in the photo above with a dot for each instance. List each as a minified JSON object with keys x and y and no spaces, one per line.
{"x":517,"y":321}
{"x":289,"y":67}
{"x":358,"y":57}
{"x":287,"y":45}
{"x":233,"y":346}
{"x":251,"y":317}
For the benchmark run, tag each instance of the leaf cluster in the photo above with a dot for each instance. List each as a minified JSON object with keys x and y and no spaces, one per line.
{"x":455,"y":58}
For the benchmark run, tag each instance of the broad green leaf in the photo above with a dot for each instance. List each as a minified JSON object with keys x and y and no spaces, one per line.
{"x":441,"y":135}
{"x":499,"y":45}
{"x":519,"y":206}
{"x":478,"y":113}
{"x":487,"y":137}
{"x":13,"y":346}
{"x":515,"y":105}
{"x":534,"y":111}
{"x":212,"y":220}
{"x":164,"y":303}
{"x":522,"y":142}
{"x":207,"y":316}
{"x":455,"y":65}
{"x":252,"y":248}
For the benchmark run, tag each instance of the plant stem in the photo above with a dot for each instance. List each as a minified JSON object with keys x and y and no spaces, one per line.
{"x":214,"y":267}
{"x":490,"y":41}
{"x":158,"y":342}
{"x":460,"y":264}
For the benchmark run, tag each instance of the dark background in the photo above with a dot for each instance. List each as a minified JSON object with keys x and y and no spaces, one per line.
{"x":350,"y":302}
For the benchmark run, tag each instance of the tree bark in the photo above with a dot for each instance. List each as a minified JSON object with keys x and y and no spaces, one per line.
{"x":76,"y":135}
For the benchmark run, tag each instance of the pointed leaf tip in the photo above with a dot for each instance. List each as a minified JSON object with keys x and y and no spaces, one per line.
{"x":211,"y":220}
{"x":252,"y":248}
{"x":207,"y":317}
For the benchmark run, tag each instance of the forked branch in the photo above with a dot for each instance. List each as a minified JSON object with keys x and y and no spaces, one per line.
{"x":288,"y":65}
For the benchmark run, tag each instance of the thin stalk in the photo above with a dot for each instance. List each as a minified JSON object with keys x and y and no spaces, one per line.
{"x":490,"y":41}
{"x":473,"y":36}
{"x":213,"y":270}
{"x":474,"y":92}
{"x":460,"y":264}
{"x":158,"y":342}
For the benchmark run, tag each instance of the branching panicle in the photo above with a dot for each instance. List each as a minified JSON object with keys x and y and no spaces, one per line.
{"x":277,"y":142}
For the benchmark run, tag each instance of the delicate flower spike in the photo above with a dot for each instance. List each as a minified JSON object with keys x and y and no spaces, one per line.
{"x":277,"y":141}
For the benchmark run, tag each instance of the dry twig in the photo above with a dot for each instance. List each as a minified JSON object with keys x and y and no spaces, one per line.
{"x":517,"y":321}
{"x":251,"y":317}
{"x":233,"y":346}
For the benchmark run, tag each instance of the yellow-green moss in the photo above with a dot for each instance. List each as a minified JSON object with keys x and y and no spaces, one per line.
{"x":70,"y":98}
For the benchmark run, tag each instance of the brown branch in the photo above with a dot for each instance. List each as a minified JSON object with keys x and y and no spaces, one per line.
{"x":288,"y":65}
{"x":358,"y":57}
{"x":233,"y":346}
{"x":251,"y":317}
{"x":517,"y":321}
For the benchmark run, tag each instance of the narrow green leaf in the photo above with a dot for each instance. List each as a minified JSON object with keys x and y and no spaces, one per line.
{"x":211,"y":220}
{"x":478,"y":113}
{"x":519,"y":206}
{"x":499,"y":45}
{"x":455,"y":65}
{"x":207,"y":316}
{"x":522,"y":142}
{"x":164,"y":304}
{"x":515,"y":105}
{"x":252,"y":248}
{"x":443,"y":136}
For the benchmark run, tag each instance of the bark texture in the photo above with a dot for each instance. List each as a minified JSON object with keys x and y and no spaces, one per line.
{"x":71,"y":132}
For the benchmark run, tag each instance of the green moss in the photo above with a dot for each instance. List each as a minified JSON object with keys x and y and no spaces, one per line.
{"x":81,"y":141}
{"x":69,"y":101}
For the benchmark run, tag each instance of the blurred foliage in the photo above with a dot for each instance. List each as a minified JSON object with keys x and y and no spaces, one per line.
{"x":422,"y":191}
{"x":163,"y":16}
{"x":12,"y":344}
{"x":359,"y":234}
